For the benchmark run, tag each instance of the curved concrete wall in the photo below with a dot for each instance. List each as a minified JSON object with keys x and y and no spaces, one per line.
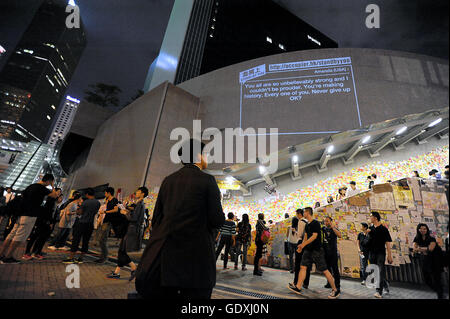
{"x":388,"y":85}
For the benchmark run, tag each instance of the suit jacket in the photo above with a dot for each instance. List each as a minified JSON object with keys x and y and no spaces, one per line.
{"x":180,"y":252}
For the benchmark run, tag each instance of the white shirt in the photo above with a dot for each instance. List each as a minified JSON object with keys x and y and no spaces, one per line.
{"x":352,"y":192}
{"x":9,"y":197}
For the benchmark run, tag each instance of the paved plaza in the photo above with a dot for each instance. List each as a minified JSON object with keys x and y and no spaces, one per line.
{"x":46,"y":279}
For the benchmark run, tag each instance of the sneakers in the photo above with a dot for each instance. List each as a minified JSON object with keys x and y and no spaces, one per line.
{"x":52,"y":248}
{"x":113,"y":275}
{"x":377,"y":295}
{"x":10,"y":261}
{"x":244,"y":268}
{"x":295,"y":289}
{"x":69,"y":261}
{"x":363,"y":282}
{"x":66,"y":248}
{"x":27,"y":257}
{"x":334,"y":294}
{"x":79,"y":260}
{"x":133,"y":275}
{"x":38,"y":257}
{"x":257,"y":273}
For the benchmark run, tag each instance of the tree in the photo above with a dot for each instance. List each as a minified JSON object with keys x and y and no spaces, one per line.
{"x":134,"y":98}
{"x":103,"y":94}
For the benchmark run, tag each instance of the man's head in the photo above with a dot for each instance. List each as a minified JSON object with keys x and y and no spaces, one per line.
{"x":58,"y":191}
{"x":364,"y":226}
{"x":48,"y":179}
{"x":109,"y":192}
{"x":432,"y":173}
{"x":327,"y":221}
{"x":59,"y":199}
{"x":286,"y":216}
{"x":191,"y":152}
{"x":374,"y":176}
{"x":9,"y":190}
{"x":308,"y":213}
{"x":299,"y":213}
{"x":353,"y":184}
{"x":330,"y":199}
{"x":261,"y":216}
{"x":369,"y":178}
{"x":76,"y":197}
{"x":90,"y":193}
{"x":317,"y":205}
{"x":230,"y":215}
{"x":142,"y":192}
{"x":375,"y":217}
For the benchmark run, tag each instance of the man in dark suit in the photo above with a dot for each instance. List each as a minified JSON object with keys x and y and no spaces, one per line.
{"x":179,"y":260}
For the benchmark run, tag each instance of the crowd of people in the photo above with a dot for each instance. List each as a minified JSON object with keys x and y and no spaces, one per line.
{"x":33,"y":214}
{"x":189,"y":232}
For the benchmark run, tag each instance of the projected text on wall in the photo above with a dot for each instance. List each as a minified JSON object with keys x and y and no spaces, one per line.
{"x":306,"y":97}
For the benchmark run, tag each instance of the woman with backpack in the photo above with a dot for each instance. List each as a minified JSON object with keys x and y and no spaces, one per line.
{"x":262,"y":237}
{"x":432,"y":258}
{"x":244,"y":237}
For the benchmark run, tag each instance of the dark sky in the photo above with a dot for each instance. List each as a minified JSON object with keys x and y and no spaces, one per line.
{"x":124,"y":36}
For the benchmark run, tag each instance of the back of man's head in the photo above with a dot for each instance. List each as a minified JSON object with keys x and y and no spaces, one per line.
{"x":90,"y":192}
{"x":48,"y":178}
{"x":190,"y":150}
{"x":110,"y":190}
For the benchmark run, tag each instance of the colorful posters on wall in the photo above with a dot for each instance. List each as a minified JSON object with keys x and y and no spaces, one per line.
{"x":382,"y":201}
{"x":432,"y":200}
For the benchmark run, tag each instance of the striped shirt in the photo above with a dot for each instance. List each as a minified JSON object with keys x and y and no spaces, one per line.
{"x":228,"y":228}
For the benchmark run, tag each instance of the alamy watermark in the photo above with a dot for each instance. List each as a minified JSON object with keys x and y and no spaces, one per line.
{"x":73,"y":20}
{"x":73,"y":279}
{"x":373,"y":19}
{"x":234,"y":143}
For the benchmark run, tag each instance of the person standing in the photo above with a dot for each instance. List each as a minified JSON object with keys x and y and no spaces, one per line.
{"x":227,"y":238}
{"x":379,"y":242}
{"x":109,"y":216}
{"x":33,"y":196}
{"x":292,"y":239}
{"x":42,"y":229}
{"x":431,"y":257}
{"x":179,"y":259}
{"x":370,"y":181}
{"x":353,"y":190}
{"x":363,"y":251}
{"x":260,"y":245}
{"x":83,"y":227}
{"x":68,"y":218}
{"x":302,"y":222}
{"x":132,"y":241}
{"x":313,"y":254}
{"x":331,"y":234}
{"x":244,"y":237}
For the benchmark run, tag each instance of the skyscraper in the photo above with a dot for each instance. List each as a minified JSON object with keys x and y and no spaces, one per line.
{"x":35,"y":78}
{"x":64,"y":121}
{"x":206,"y":35}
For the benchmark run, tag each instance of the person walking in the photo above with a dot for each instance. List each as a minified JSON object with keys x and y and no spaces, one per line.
{"x":363,"y":251}
{"x":431,"y":257}
{"x":260,"y":245}
{"x":179,"y":259}
{"x":32,"y":199}
{"x":379,"y":242}
{"x":244,"y":237}
{"x":83,"y":227}
{"x":42,"y":229}
{"x":330,"y":235}
{"x":227,"y":238}
{"x":312,"y":244}
{"x":108,"y":217}
{"x":132,"y":241}
{"x":302,"y":222}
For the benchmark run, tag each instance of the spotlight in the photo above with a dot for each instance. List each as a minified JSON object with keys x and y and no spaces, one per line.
{"x":439,"y":120}
{"x":262,"y":170}
{"x":401,"y":130}
{"x":366,"y":139}
{"x":295,"y":159}
{"x":330,"y":149}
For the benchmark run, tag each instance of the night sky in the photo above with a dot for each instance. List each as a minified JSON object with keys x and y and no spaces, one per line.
{"x":124,"y":36}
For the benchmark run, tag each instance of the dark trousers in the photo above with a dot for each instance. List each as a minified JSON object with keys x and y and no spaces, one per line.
{"x":61,"y":237}
{"x":37,"y":239}
{"x":258,"y":255}
{"x":432,"y":275}
{"x":122,"y":257}
{"x":363,"y":265}
{"x":379,"y":260}
{"x":292,"y":249}
{"x":239,"y":251}
{"x":81,"y":231}
{"x":298,"y":261}
{"x":331,"y":259}
{"x":226,"y":241}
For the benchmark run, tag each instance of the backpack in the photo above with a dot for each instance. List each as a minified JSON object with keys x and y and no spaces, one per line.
{"x":265,"y":236}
